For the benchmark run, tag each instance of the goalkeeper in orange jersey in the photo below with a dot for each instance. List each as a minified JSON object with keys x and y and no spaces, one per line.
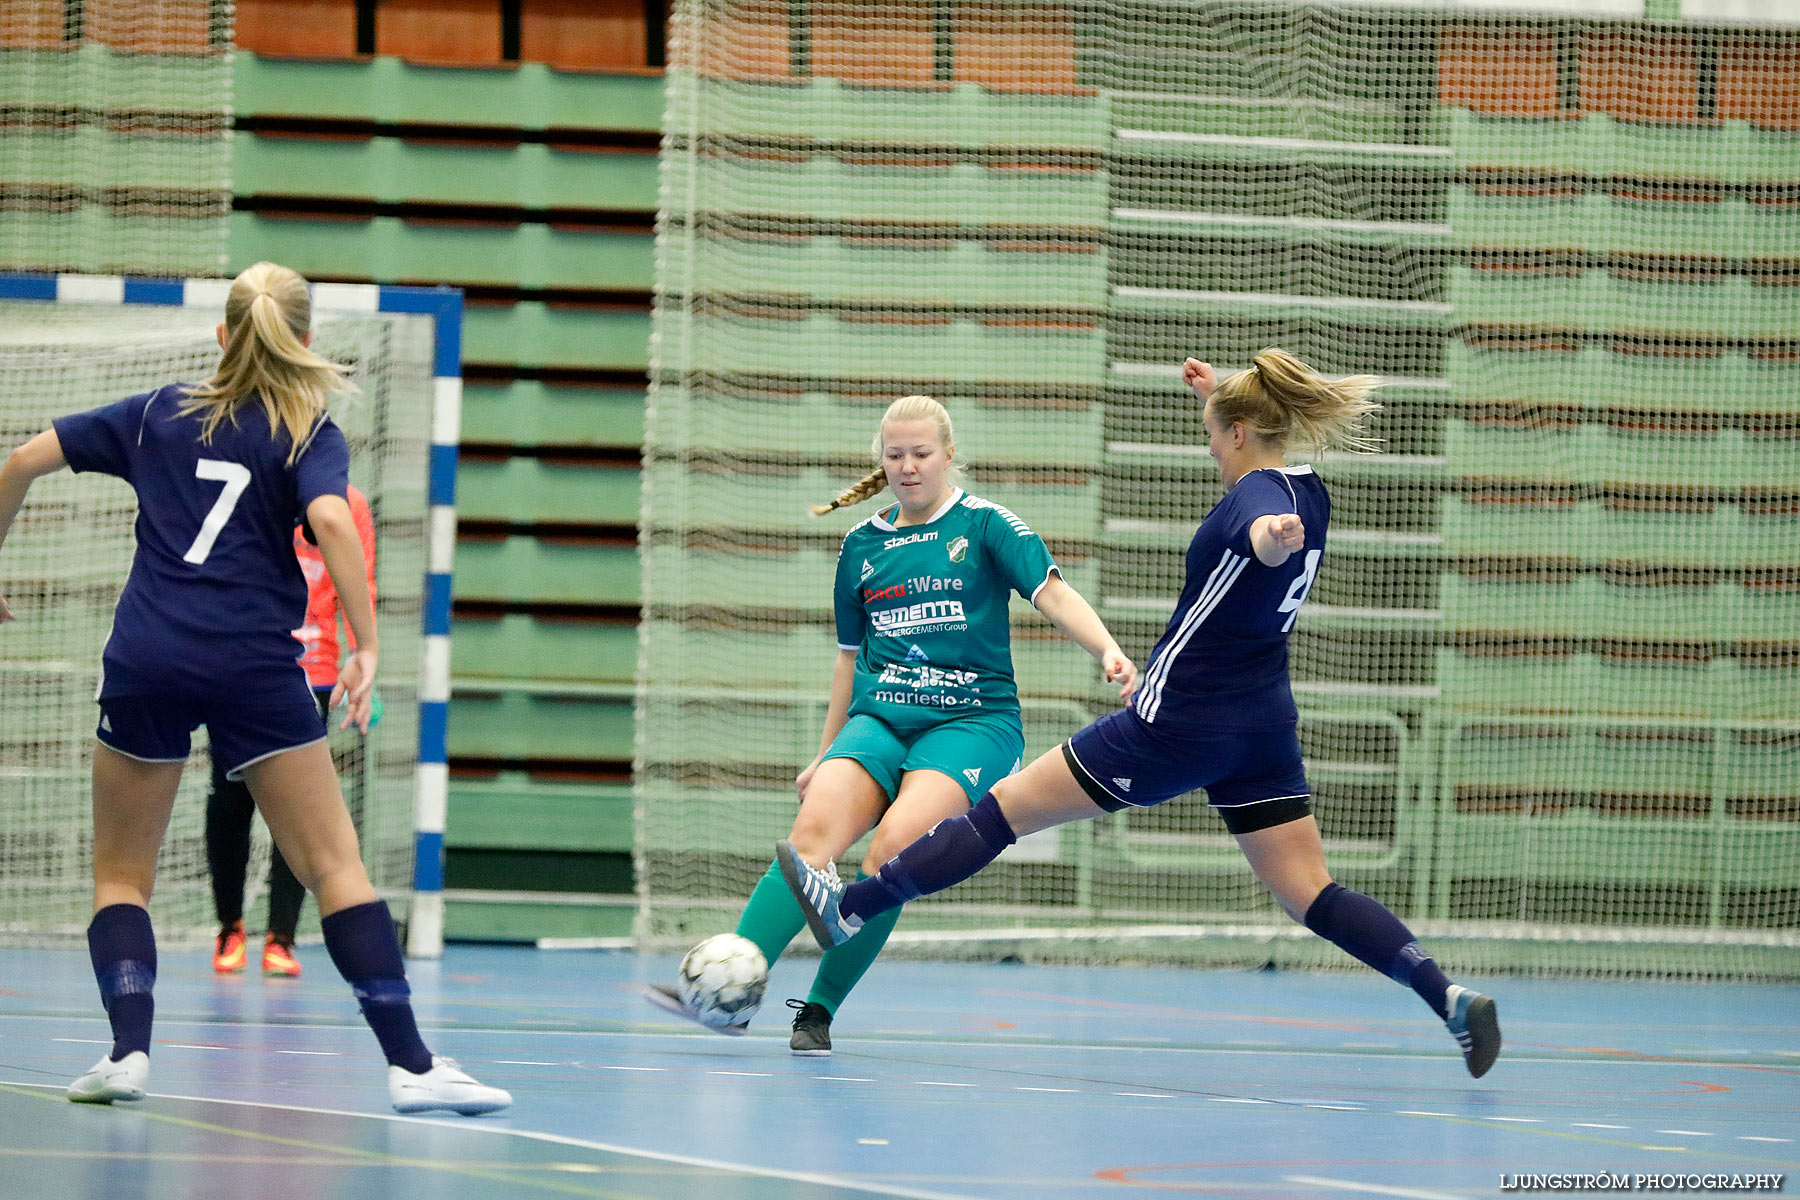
{"x":229,"y":806}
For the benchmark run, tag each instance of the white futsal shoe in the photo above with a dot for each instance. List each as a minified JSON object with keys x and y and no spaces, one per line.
{"x":107,"y":1080}
{"x":444,"y":1088}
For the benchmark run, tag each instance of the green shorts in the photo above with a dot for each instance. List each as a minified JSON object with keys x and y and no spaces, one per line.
{"x":977,"y":752}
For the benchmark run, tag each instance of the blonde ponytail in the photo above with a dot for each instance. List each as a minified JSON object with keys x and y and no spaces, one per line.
{"x":1280,"y":398}
{"x":267,"y":314}
{"x":906,"y":408}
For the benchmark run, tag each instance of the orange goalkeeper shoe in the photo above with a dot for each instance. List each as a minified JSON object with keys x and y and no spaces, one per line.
{"x":229,"y":955}
{"x":278,"y":958}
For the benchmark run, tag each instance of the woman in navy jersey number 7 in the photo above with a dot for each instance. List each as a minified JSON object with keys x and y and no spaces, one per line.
{"x":1213,"y":709}
{"x":202,"y":634}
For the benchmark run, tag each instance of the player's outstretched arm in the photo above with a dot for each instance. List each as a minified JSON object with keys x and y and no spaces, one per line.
{"x":1070,"y":612}
{"x":341,"y":549}
{"x":37,"y":458}
{"x":1274,"y":537}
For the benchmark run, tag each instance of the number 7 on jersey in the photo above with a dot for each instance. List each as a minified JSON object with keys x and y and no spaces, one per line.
{"x":235,"y":477}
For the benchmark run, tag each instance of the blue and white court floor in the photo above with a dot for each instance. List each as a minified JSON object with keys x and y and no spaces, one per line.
{"x":948,"y":1080}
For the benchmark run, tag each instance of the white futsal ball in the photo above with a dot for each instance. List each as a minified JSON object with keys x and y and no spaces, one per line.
{"x":723,"y":978}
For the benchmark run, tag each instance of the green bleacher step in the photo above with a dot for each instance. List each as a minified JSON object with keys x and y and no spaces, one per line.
{"x":1583,"y":683}
{"x":1595,"y":377}
{"x":1337,"y":118}
{"x":823,"y":423}
{"x":1733,"y":308}
{"x":827,"y":110}
{"x":526,"y":570}
{"x":531,"y":333}
{"x":540,"y":720}
{"x":1599,"y":223}
{"x":524,"y":491}
{"x":385,"y":89}
{"x":526,"y":255}
{"x":1590,"y":532}
{"x":514,"y":812}
{"x":528,"y":175}
{"x":1600,"y":147}
{"x":489,"y":916}
{"x":78,"y":241}
{"x":1562,"y":847}
{"x":1724,"y":458}
{"x":530,"y":413}
{"x":931,"y":271}
{"x":827,"y":188}
{"x":112,"y":81}
{"x":523,"y":646}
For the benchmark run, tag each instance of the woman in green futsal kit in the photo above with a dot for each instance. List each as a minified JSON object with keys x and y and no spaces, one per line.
{"x":924,"y":713}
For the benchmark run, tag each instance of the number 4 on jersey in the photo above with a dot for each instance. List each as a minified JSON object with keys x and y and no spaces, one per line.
{"x":1296,"y":594}
{"x":235,"y":477}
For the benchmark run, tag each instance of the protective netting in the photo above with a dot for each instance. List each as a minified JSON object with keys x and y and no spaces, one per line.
{"x":115,"y":136}
{"x":1549,"y":672}
{"x":67,"y":558}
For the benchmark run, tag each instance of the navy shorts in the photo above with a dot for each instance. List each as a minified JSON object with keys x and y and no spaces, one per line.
{"x":1255,"y":780}
{"x":245,"y":726}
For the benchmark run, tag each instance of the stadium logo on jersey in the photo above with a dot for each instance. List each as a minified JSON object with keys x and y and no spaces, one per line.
{"x":917,"y":655}
{"x":1124,"y":785}
{"x":909,"y":540}
{"x":959,"y":549}
{"x":973,"y":774}
{"x":867,"y":571}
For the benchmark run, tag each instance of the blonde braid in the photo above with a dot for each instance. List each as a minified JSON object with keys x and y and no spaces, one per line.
{"x":870,"y":485}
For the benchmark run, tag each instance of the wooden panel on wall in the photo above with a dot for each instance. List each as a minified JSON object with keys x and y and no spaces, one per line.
{"x":298,"y":28}
{"x":1501,"y":70}
{"x":31,"y":24}
{"x":448,"y":33}
{"x":874,"y":42}
{"x":168,"y":29}
{"x":1028,"y":48}
{"x":1640,"y":75}
{"x":757,"y":34}
{"x":583,"y":35}
{"x":1759,"y":80}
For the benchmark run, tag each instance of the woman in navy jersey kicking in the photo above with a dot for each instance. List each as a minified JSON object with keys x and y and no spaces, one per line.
{"x":1213,"y":709}
{"x":203,"y":635}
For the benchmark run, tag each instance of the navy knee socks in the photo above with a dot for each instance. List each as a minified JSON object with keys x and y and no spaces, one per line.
{"x":123,"y":950}
{"x":1364,"y":928}
{"x":955,"y":849}
{"x":365,"y":950}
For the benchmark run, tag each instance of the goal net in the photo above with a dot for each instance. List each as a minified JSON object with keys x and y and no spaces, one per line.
{"x":115,"y":136}
{"x":1550,"y":671}
{"x":67,"y":558}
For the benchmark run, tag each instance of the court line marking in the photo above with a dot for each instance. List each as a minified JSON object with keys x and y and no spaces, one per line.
{"x":1229,"y":1049}
{"x":1350,"y":1185}
{"x":934,"y":1083}
{"x":555,"y":1139}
